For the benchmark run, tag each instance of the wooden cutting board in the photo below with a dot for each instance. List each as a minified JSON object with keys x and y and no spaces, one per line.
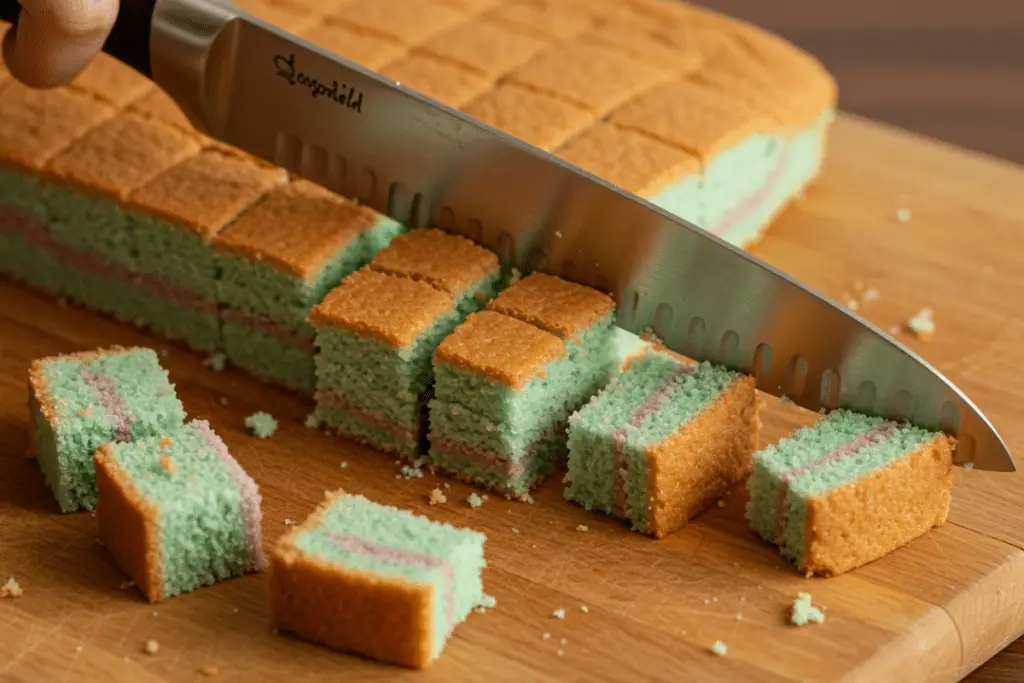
{"x":931,"y":612}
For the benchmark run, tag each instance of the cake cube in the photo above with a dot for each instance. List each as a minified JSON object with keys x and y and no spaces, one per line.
{"x":80,"y":401}
{"x":375,"y":334}
{"x":177,"y":511}
{"x":375,"y":580}
{"x":449,"y":263}
{"x":850,"y":489}
{"x":662,"y":441}
{"x":177,"y":215}
{"x":539,"y":119}
{"x":278,"y":260}
{"x":504,"y":390}
{"x":111,"y":80}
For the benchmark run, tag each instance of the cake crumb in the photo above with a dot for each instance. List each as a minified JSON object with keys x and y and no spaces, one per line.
{"x":560,"y":652}
{"x":411,"y":472}
{"x":312,"y":421}
{"x":261,"y":424}
{"x":584,"y":609}
{"x":151,"y":647}
{"x":289,"y":522}
{"x":447,"y":485}
{"x":564,"y":641}
{"x":893,"y":331}
{"x":719,"y":648}
{"x":156,"y":614}
{"x":11,"y":589}
{"x":545,"y":635}
{"x":168,"y":464}
{"x":852,"y":304}
{"x":78,"y":649}
{"x":515,"y":530}
{"x":582,"y":527}
{"x":739,"y":617}
{"x":969,"y":466}
{"x":474,"y":500}
{"x":344,"y":464}
{"x":870,"y":294}
{"x":651,"y":337}
{"x":514,"y":276}
{"x":485,"y":603}
{"x":217,"y":362}
{"x":804,"y":612}
{"x":127,"y":583}
{"x":721,"y":503}
{"x":437,"y":497}
{"x":223,"y":400}
{"x":209,"y":671}
{"x":922,"y":324}
{"x":558,"y":613}
{"x":903,"y":214}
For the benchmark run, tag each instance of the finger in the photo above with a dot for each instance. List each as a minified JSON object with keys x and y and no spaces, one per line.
{"x":54,"y":40}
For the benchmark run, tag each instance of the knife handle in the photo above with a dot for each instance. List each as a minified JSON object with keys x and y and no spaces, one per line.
{"x":128,"y":40}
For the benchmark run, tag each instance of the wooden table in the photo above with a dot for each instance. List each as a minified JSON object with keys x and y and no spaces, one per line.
{"x":928,"y":613}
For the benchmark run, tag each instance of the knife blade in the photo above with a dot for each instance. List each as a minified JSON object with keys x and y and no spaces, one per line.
{"x":285,"y":100}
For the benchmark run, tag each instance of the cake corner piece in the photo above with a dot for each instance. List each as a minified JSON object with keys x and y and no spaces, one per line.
{"x":380,"y":560}
{"x":808,"y":492}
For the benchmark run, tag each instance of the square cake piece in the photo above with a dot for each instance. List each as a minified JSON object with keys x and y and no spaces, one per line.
{"x":662,"y":441}
{"x":448,"y":263}
{"x":375,"y":580}
{"x":80,"y":401}
{"x":278,"y":260}
{"x":177,"y":511}
{"x":177,"y":215}
{"x":849,"y":489}
{"x":375,"y":334}
{"x":504,"y":391}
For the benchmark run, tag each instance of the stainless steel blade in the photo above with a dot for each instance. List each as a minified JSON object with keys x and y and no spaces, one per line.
{"x":329,"y":120}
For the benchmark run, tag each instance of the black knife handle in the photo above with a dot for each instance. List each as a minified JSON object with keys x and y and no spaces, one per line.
{"x":129,"y":39}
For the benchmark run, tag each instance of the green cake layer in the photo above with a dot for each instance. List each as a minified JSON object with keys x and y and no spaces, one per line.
{"x":609,"y":438}
{"x":839,"y":449}
{"x":82,"y":401}
{"x":203,"y":510}
{"x":375,"y":548}
{"x":510,"y":437}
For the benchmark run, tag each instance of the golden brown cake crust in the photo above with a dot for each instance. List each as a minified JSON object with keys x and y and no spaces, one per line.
{"x":370,"y":50}
{"x":539,"y":119}
{"x":555,"y":305}
{"x":635,"y":162}
{"x":484,"y":46}
{"x":112,"y":81}
{"x":128,"y":525}
{"x":410,"y":22}
{"x":35,"y":125}
{"x":500,"y":348}
{"x":287,"y":14}
{"x":441,"y":80}
{"x":158,"y":105}
{"x":449,"y":263}
{"x":587,"y":75}
{"x":547,"y":19}
{"x":701,"y":461}
{"x":297,"y":228}
{"x":908,"y":498}
{"x":393,"y":310}
{"x":205,"y":192}
{"x":695,"y":118}
{"x":121,"y":154}
{"x":384,"y":618}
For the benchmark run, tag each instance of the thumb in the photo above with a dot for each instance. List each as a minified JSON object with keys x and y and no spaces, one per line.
{"x":54,"y":40}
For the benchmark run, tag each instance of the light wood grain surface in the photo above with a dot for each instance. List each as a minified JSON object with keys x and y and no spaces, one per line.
{"x":931,"y":612}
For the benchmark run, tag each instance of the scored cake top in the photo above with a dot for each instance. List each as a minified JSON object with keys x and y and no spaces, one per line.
{"x":370,"y":50}
{"x":297,"y":228}
{"x":112,"y":81}
{"x":504,"y":349}
{"x":390,"y":309}
{"x":555,"y":305}
{"x":450,"y":263}
{"x":122,"y":154}
{"x":542,"y":120}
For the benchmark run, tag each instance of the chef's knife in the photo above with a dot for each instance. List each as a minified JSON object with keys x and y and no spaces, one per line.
{"x":281,"y":98}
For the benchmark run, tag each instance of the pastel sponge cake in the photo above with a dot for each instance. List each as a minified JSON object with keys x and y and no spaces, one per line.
{"x":278,"y":260}
{"x":662,"y":441}
{"x":177,"y":511}
{"x":849,"y":489}
{"x":375,"y":580}
{"x":80,"y":401}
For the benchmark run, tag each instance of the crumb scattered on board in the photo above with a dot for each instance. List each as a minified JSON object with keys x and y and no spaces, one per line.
{"x":312,"y":421}
{"x":209,"y":671}
{"x":262,"y":425}
{"x":344,"y":464}
{"x":558,"y":613}
{"x":804,"y":612}
{"x":474,"y":500}
{"x":217,"y":362}
{"x":407,"y":472}
{"x":11,"y":589}
{"x":721,"y":503}
{"x":922,"y":324}
{"x":485,"y":603}
{"x":582,"y":527}
{"x":903,"y":214}
{"x":515,"y":530}
{"x":584,"y":609}
{"x":437,"y":497}
{"x":545,"y":636}
{"x":151,"y":647}
{"x":719,"y":648}
{"x":127,"y":583}
{"x":289,"y":522}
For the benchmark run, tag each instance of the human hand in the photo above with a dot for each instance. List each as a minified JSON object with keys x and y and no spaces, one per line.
{"x":54,"y":40}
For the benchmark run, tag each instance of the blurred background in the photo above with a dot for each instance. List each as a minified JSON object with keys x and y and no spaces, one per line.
{"x":949,"y":69}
